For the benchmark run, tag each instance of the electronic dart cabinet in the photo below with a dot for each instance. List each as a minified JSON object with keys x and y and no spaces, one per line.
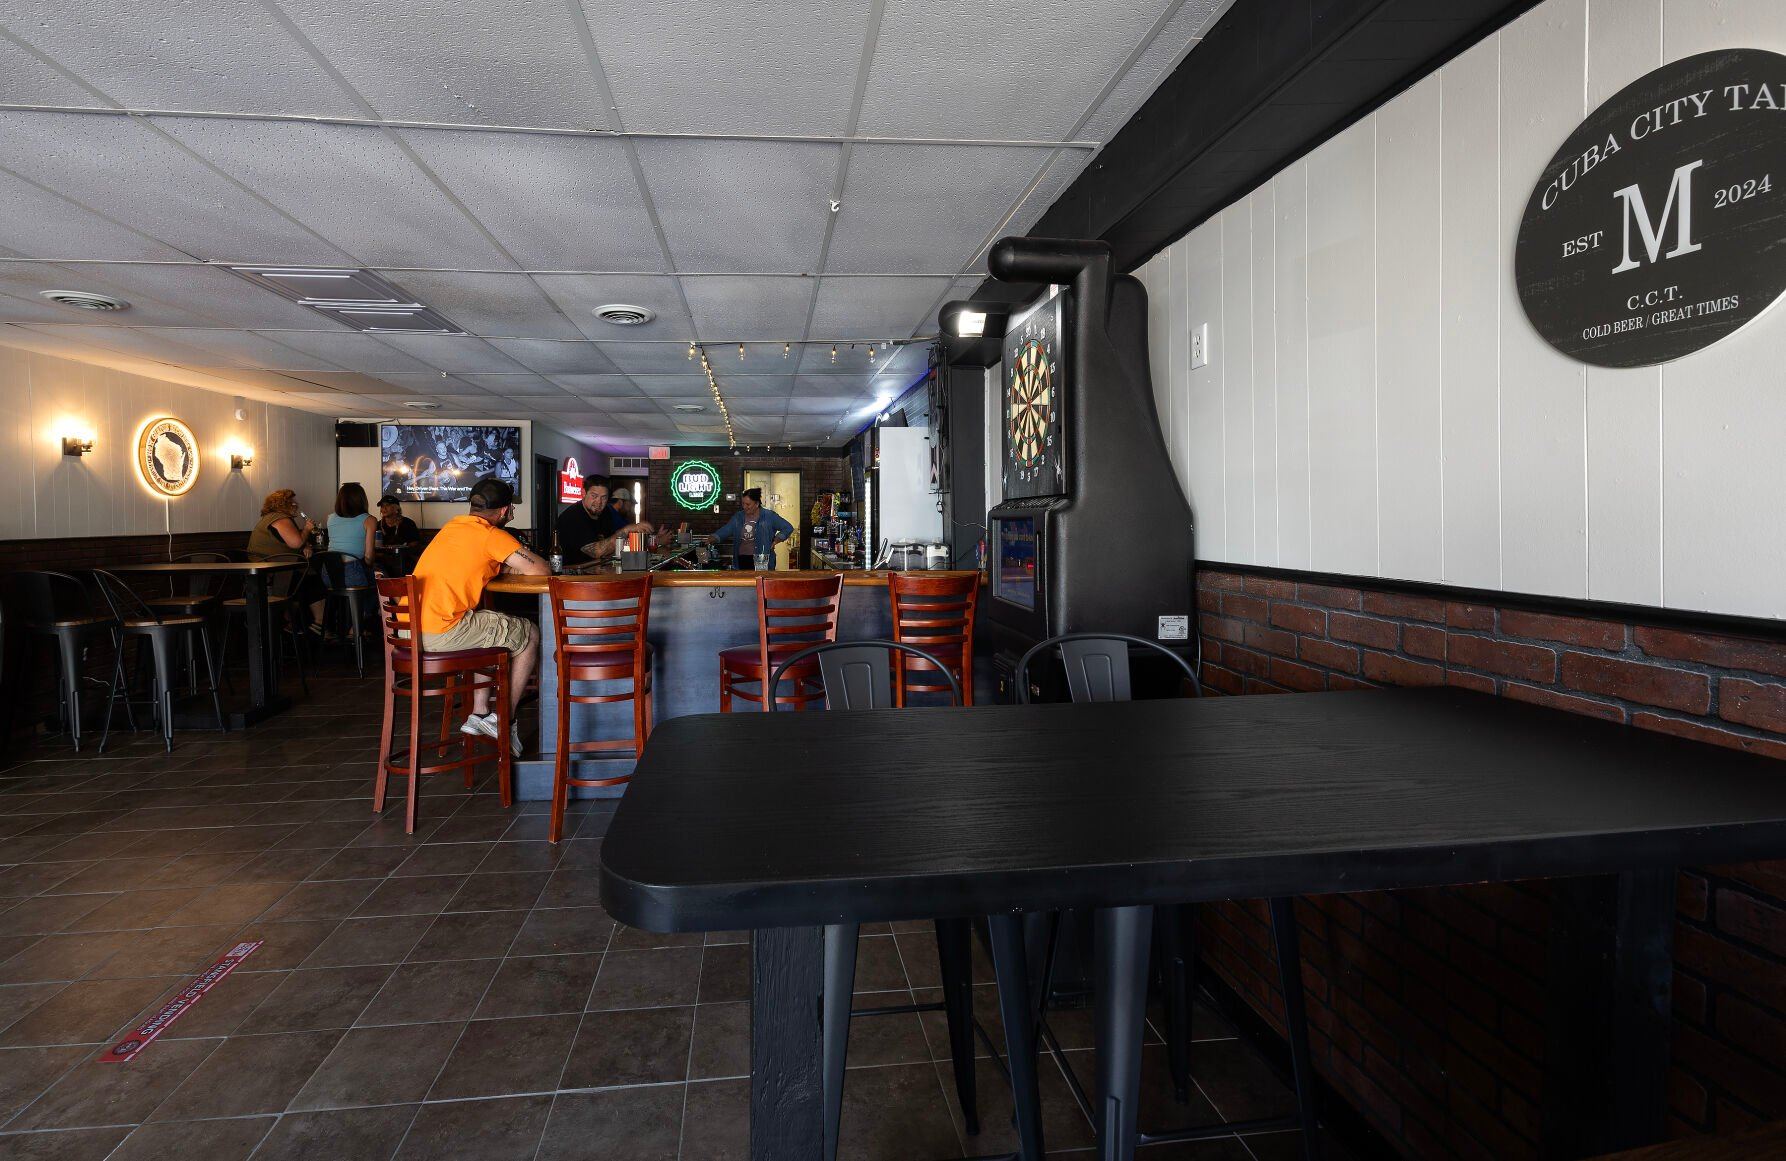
{"x":1093,"y":531}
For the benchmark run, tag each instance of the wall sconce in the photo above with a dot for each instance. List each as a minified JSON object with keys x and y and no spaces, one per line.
{"x":77,"y":445}
{"x":242,"y":457}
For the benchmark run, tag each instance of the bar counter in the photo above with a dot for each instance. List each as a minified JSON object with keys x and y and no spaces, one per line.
{"x":694,"y":614}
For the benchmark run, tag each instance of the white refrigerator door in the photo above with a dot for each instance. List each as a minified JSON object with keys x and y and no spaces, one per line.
{"x":908,"y":508}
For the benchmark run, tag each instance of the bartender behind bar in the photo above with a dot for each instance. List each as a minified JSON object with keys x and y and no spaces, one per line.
{"x":591,"y":530}
{"x":754,"y":529}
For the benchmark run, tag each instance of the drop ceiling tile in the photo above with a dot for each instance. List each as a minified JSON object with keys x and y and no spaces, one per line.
{"x":743,"y":387}
{"x":501,"y":62}
{"x":514,"y":386}
{"x":355,"y":383}
{"x":736,"y":67}
{"x":143,"y":343}
{"x":349,"y":183}
{"x":897,"y":217}
{"x":739,"y":307}
{"x":549,"y":357}
{"x":249,"y":349}
{"x":487,"y":304}
{"x":664,"y":358}
{"x":160,"y":295}
{"x":932,"y":75}
{"x":186,"y":54}
{"x":875,"y":308}
{"x":454,"y":353}
{"x":639,"y":405}
{"x":20,"y":304}
{"x":1062,"y":169}
{"x":555,"y":202}
{"x":733,"y":206}
{"x":350,"y":350}
{"x":817,"y":360}
{"x":578,"y":295}
{"x":562,"y":404}
{"x":832,"y":405}
{"x":26,"y":79}
{"x":133,"y":174}
{"x":35,"y":223}
{"x":598,"y":386}
{"x":684,"y":387}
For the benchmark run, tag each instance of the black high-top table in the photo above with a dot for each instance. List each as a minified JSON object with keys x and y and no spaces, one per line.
{"x":784,"y":822}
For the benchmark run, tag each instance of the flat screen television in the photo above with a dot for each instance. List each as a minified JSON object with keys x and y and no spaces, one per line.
{"x":440,"y":462}
{"x":1014,"y":577}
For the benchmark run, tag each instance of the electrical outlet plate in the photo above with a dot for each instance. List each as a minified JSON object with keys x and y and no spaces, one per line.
{"x":1199,"y":346}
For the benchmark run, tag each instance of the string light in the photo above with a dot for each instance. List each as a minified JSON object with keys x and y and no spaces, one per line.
{"x":785,"y":348}
{"x":691,"y":351}
{"x":834,"y":352}
{"x":719,"y":400}
{"x":741,"y":352}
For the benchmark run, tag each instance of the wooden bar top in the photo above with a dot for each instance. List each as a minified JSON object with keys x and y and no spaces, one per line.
{"x":735,"y":579}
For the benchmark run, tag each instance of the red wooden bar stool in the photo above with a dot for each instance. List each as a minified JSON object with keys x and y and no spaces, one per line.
{"x":406,"y":674}
{"x":792,"y":613}
{"x":935,"y":613}
{"x":598,"y":626}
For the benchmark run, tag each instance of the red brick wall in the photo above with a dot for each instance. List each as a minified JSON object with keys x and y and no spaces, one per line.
{"x":1427,"y":1007}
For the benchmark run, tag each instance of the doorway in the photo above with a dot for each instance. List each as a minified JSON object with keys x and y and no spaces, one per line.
{"x":781,"y":495}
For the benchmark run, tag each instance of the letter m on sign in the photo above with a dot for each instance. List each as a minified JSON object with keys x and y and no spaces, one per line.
{"x":1679,"y":207}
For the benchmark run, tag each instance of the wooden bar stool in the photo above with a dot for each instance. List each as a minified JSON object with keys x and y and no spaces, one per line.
{"x":792,"y":613}
{"x":935,"y":613}
{"x":406,"y":674}
{"x":598,"y":626}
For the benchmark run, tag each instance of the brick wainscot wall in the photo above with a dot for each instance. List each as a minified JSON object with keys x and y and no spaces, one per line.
{"x":1427,"y":1007}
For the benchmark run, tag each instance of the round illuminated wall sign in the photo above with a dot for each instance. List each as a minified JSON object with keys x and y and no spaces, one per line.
{"x":695,"y":485}
{"x":167,"y":456}
{"x":1659,"y":227}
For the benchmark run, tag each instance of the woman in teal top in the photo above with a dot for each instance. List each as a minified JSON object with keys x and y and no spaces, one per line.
{"x":351,"y":533}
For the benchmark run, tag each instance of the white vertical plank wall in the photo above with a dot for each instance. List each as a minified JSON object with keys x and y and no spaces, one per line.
{"x":1376,"y":403}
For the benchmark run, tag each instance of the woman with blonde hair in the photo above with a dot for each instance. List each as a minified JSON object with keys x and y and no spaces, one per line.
{"x":279,"y":533}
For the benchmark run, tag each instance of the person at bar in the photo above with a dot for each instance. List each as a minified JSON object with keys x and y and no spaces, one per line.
{"x":754,"y":529}
{"x":351,"y":532}
{"x":591,"y":530}
{"x":462,"y":558}
{"x":283,"y":530}
{"x":393,"y":526}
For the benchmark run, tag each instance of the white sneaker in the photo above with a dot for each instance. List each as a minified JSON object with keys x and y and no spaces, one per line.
{"x":485,"y":726}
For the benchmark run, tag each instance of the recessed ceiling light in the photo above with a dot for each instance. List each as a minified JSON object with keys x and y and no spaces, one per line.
{"x":689,"y":407}
{"x":82,"y":300}
{"x":624,"y":314}
{"x":970,"y":324}
{"x":422,"y":404}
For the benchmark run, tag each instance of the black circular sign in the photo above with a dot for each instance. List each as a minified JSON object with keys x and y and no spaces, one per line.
{"x":1660,"y":225}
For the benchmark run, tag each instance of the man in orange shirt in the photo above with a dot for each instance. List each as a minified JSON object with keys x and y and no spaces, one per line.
{"x":463,"y":557}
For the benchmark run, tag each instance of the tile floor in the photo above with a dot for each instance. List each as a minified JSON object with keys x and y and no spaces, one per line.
{"x":456,"y":993}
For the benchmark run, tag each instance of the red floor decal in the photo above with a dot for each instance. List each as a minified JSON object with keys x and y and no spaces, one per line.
{"x":144,"y":1034}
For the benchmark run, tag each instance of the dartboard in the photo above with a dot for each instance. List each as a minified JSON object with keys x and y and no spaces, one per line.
{"x":1030,"y":400}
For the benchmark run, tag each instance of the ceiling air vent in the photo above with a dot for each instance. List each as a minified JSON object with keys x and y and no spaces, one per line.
{"x":358,"y":298}
{"x":628,"y":466}
{"x":623,"y":314}
{"x":690,"y":408}
{"x":82,"y":300}
{"x":422,"y":404}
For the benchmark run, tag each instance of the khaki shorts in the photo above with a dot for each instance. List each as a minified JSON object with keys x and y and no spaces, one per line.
{"x":481,"y":629}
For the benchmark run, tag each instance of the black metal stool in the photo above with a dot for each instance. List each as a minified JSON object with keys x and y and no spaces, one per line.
{"x":57,"y":605}
{"x":345,"y":598}
{"x":857,"y":675}
{"x":163,"y":632}
{"x":1097,"y":668}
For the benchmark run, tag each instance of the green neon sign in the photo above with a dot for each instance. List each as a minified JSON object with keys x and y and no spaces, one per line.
{"x":695,"y":485}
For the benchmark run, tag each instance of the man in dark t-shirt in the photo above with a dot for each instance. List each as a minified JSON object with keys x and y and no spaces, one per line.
{"x":586,"y":529}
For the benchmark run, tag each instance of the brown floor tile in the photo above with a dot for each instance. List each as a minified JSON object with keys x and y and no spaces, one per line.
{"x":369,"y":941}
{"x":345,"y":1134}
{"x":110,"y":875}
{"x":51,"y":913}
{"x":721,"y":1042}
{"x":878,"y":964}
{"x":229,"y":1140}
{"x":334,"y":900}
{"x":647,"y":979}
{"x":231,"y":903}
{"x":25,"y":1073}
{"x":572,"y":887}
{"x":725,"y":974}
{"x":482,"y":1130}
{"x":64,"y":1145}
{"x":111,"y":1094}
{"x":135,"y":910}
{"x":519,"y":856}
{"x":224,"y":1007}
{"x":317,"y":998}
{"x":418,"y":895}
{"x":167,"y":951}
{"x":18,"y":999}
{"x":62,"y":957}
{"x":563,"y":930}
{"x":84,"y":1013}
{"x":499,"y":892}
{"x":716,"y":1123}
{"x":380,"y":1066}
{"x":540,"y":985}
{"x":470,"y":935}
{"x":640,"y":1046}
{"x":494,"y":1057}
{"x":283,"y":945}
{"x":436,"y":990}
{"x":894,"y":1114}
{"x":443,"y":859}
{"x":640,"y":1124}
{"x":248,"y":1074}
{"x":282,"y":866}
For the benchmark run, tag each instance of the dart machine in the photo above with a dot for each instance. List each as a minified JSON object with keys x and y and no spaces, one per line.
{"x":1092,"y":531}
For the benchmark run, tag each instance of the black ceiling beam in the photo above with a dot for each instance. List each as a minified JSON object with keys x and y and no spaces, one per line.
{"x":1269,"y":83}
